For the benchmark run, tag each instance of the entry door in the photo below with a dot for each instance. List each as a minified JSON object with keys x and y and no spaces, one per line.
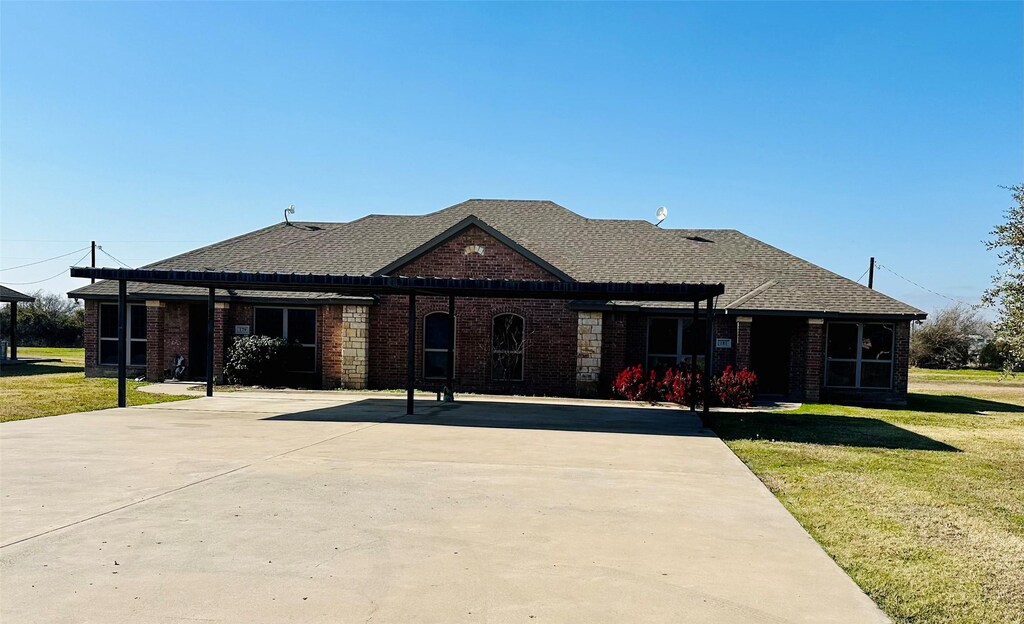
{"x":770,"y":340}
{"x":197,"y":341}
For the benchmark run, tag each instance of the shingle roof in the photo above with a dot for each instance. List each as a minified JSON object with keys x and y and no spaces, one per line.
{"x":756,"y":275}
{"x":9,"y":295}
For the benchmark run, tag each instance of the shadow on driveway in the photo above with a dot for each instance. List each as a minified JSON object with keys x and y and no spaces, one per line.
{"x":501,"y":415}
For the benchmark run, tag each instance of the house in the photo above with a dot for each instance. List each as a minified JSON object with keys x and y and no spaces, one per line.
{"x":808,"y":333}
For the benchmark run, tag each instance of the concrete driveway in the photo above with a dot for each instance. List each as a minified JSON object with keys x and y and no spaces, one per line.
{"x":322,"y":507}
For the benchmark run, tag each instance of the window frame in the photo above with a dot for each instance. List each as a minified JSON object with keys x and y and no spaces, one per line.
{"x":679,"y":355}
{"x":859,"y":360}
{"x":127,"y":333}
{"x":423,"y":345}
{"x":284,"y":331}
{"x":521,"y":351}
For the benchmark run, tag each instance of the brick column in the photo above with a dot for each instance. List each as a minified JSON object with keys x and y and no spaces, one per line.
{"x":743,"y":342}
{"x":815,"y":359}
{"x":355,"y":322}
{"x":220,"y":313}
{"x":92,"y":336}
{"x":156,"y":367}
{"x":588,"y":352}
{"x":331,"y":349}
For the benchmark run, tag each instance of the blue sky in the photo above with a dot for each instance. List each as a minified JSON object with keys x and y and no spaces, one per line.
{"x":834,"y":131}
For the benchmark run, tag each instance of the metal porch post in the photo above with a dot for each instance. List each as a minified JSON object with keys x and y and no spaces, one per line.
{"x":410,"y":362}
{"x":122,"y":342}
{"x":693,"y":351}
{"x":450,"y":373}
{"x":14,"y":330}
{"x":709,"y":356}
{"x":209,"y":343}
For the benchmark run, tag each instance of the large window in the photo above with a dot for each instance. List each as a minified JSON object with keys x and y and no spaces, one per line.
{"x":435,"y":345}
{"x":297,"y":327}
{"x":672,"y":341}
{"x":136,"y":332}
{"x":508,"y":333}
{"x":859,"y":355}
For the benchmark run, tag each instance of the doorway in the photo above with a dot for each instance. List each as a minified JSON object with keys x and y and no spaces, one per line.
{"x":770,"y":339}
{"x":197,"y":341}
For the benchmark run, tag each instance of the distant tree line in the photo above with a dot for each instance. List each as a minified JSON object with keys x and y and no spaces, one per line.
{"x":52,"y":320}
{"x":957,"y":337}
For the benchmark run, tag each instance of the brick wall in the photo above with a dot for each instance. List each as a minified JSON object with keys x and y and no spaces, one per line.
{"x":155,"y":340}
{"x":742,"y":342}
{"x":550,"y":326}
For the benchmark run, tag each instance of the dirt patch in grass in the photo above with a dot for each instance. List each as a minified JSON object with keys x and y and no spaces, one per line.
{"x":922,"y":506}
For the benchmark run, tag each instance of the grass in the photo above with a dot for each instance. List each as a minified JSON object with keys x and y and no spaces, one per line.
{"x":51,"y":388}
{"x":923,"y":506}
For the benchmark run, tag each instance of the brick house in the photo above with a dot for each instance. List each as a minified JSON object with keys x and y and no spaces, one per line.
{"x":808,"y":333}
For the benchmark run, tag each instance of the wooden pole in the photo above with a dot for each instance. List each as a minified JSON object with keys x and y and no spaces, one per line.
{"x":871,"y":274}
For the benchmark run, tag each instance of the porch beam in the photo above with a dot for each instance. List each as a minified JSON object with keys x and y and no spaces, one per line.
{"x":14,"y":330}
{"x":709,"y":356}
{"x":410,"y":360}
{"x":450,"y":372}
{"x":209,"y":342}
{"x":122,"y":343}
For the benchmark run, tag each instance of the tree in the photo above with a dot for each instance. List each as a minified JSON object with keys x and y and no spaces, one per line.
{"x":951,"y":338}
{"x":1007,"y":291}
{"x":52,"y":320}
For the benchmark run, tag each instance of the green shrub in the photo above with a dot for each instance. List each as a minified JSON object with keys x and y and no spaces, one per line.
{"x":256,"y":361}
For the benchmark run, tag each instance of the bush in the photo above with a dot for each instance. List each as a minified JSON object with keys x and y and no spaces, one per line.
{"x":735,"y":389}
{"x":636,"y":384}
{"x":731,"y":388}
{"x":256,"y":360}
{"x":683,"y":388}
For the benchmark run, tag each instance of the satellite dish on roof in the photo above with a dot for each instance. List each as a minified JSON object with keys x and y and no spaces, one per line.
{"x":287,"y":211}
{"x":661,"y":215}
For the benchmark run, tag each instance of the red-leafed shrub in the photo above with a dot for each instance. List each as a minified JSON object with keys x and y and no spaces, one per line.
{"x":682,"y":387}
{"x":731,"y":388}
{"x":636,"y":384}
{"x":735,"y":389}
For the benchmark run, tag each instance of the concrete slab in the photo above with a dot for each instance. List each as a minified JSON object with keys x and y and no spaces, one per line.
{"x":305,"y":507}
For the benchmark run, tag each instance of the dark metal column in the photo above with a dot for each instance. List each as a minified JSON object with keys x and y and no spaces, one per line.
{"x":410,"y":362}
{"x":709,"y":356}
{"x":122,"y":342}
{"x":450,"y":373}
{"x":209,"y":343}
{"x":693,"y":352}
{"x":14,"y":330}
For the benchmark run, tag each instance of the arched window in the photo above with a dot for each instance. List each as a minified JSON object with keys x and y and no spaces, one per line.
{"x":508,"y":337}
{"x":435,"y":345}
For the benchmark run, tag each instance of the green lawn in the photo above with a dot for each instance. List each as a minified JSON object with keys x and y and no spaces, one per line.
{"x":50,"y":388}
{"x":922,"y":506}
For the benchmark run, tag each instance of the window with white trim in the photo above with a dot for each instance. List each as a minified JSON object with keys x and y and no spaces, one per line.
{"x":297,"y":327}
{"x":435,"y":345}
{"x":508,"y":333}
{"x":859,"y":355}
{"x":135,"y":332}
{"x":672,"y":341}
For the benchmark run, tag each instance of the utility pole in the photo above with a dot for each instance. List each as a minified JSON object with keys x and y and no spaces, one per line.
{"x":871,"y":274}
{"x":93,"y":280}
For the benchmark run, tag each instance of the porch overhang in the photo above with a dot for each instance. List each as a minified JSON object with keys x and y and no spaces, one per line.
{"x":370,"y":285}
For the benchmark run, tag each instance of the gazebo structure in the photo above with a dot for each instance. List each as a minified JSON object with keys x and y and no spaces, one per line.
{"x":364,"y":285}
{"x":13,"y":297}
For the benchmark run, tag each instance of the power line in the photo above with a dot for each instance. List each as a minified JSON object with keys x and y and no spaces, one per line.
{"x":51,"y":277}
{"x":112,"y":257}
{"x":863,"y":274}
{"x":70,"y":253}
{"x":910,"y":281}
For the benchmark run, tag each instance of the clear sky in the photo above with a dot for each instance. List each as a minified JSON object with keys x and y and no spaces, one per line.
{"x":834,"y":131}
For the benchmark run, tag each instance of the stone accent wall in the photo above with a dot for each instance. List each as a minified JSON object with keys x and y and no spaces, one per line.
{"x":354,"y":343}
{"x":588,"y":352}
